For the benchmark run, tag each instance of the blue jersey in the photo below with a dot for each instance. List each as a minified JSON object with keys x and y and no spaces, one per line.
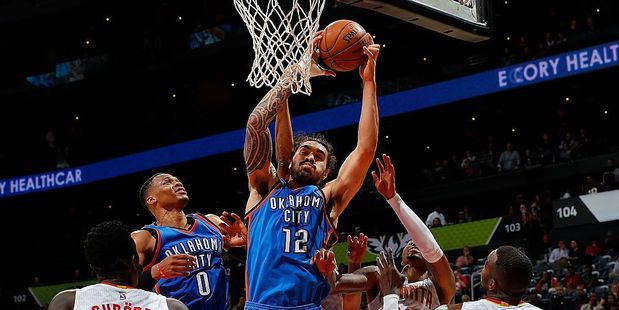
{"x":284,"y":231}
{"x":207,"y":285}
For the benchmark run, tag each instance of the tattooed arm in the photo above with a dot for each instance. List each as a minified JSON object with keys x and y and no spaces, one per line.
{"x":283,"y":141}
{"x":258,"y":148}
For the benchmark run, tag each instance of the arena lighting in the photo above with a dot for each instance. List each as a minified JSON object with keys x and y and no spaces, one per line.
{"x":567,"y":98}
{"x":387,"y":137}
{"x":508,"y":38}
{"x":232,"y":84}
{"x":473,"y":118}
{"x":173,"y":95}
{"x":384,"y":45}
{"x":513,"y":129}
{"x":77,"y":118}
{"x":180,"y":18}
{"x":568,"y":64}
{"x":87,"y":42}
{"x":107,"y":19}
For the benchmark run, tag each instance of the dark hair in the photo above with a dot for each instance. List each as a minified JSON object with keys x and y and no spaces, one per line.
{"x":109,"y":247}
{"x":145,"y":188}
{"x":515,"y":270}
{"x":331,"y":159}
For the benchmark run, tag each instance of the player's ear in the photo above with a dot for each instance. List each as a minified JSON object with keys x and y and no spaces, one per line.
{"x":492,"y":285}
{"x":151,"y":200}
{"x":325,"y":175}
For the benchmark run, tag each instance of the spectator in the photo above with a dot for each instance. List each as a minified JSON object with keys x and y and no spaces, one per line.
{"x":463,"y":283}
{"x":545,"y":283}
{"x":590,"y":186}
{"x":589,"y":279}
{"x":438,"y":213}
{"x":558,"y":300}
{"x":566,"y":146}
{"x":535,"y":300}
{"x":240,"y":305}
{"x":547,"y":149}
{"x":466,"y":297}
{"x":594,"y":249}
{"x":580,"y":296}
{"x":593,"y":303}
{"x":572,"y":279}
{"x":614,"y":289}
{"x":466,"y":259}
{"x":509,"y":159}
{"x":436,"y":223}
{"x":610,"y":302}
{"x":560,"y":253}
{"x":611,"y":176}
{"x":611,"y":242}
{"x":576,"y":254}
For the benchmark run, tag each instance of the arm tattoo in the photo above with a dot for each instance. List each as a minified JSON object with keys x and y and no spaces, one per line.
{"x":257,"y":149}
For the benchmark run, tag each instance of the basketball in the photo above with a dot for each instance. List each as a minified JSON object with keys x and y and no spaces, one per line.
{"x":341,"y":47}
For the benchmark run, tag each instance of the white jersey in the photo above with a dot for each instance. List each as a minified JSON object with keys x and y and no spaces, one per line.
{"x":420,"y":295}
{"x":484,"y":304}
{"x":111,"y":297}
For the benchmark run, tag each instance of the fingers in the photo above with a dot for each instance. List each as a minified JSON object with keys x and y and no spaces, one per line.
{"x":381,"y":168}
{"x":375,"y":177}
{"x":390,"y":259}
{"x":235,"y":217}
{"x":364,"y":240}
{"x":349,"y":240}
{"x":330,"y":73}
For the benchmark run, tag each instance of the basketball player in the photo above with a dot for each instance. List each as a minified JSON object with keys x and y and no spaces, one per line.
{"x":111,"y":253}
{"x":183,"y":253}
{"x":290,"y":219}
{"x":430,"y":281}
{"x":506,"y":277}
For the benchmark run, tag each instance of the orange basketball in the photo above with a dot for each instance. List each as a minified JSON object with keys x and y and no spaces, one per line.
{"x":341,"y":47}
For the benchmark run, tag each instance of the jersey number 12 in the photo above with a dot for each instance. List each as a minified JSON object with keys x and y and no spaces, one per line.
{"x":300,"y":242}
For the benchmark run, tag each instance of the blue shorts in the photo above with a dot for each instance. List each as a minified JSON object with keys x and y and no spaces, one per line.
{"x":256,"y":306}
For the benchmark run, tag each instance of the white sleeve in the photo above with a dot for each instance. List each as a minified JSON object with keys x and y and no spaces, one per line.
{"x":390,"y":302}
{"x":419,"y":232}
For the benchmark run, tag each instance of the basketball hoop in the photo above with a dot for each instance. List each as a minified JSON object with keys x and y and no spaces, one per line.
{"x":280,"y":38}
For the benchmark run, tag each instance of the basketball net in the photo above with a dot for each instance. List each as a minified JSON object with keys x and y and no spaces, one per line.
{"x":280,"y":39}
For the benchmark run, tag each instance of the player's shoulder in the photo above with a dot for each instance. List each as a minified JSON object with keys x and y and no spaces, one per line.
{"x":63,"y":300}
{"x":175,"y":304}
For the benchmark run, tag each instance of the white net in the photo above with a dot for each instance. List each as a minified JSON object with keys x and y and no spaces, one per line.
{"x":281,"y":37}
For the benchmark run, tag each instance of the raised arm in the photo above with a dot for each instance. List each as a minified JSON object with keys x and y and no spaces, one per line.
{"x":283,"y":141}
{"x":353,"y":170}
{"x":258,"y":148}
{"x":440,"y":271}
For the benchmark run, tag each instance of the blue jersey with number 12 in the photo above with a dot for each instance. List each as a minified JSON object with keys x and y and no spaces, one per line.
{"x":285,"y":230}
{"x":207,"y":285}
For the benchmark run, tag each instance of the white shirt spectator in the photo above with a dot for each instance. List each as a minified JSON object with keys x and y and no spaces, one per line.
{"x":509,"y":159}
{"x":557,"y":254}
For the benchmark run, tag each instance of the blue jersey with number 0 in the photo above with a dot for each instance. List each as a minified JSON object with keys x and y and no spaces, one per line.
{"x":285,"y":230}
{"x":207,"y":285}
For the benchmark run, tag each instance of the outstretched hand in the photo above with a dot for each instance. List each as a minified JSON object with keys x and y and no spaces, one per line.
{"x":368,"y":68}
{"x":316,"y":69}
{"x":177,"y":265}
{"x":384,"y":181}
{"x":357,"y":247}
{"x":391,"y":280}
{"x":235,"y":231}
{"x":325,"y":262}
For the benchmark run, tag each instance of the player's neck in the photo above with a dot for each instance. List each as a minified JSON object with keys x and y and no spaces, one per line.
{"x":116,"y":280}
{"x":172,"y":218}
{"x":499,"y":297}
{"x":415,"y":274}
